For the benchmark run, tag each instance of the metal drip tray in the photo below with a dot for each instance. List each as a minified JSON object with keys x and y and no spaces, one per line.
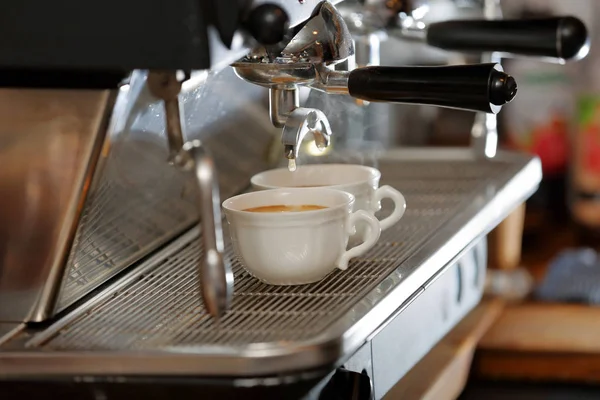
{"x":115,"y":230}
{"x":152,"y":322}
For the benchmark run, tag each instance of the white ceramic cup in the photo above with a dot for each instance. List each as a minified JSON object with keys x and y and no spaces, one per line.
{"x":358,"y":180}
{"x":294,"y":248}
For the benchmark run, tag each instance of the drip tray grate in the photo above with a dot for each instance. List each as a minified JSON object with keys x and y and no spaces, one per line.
{"x":160,"y":308}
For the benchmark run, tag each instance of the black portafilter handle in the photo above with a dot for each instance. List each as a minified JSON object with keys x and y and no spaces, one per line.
{"x":479,"y":87}
{"x":557,"y":37}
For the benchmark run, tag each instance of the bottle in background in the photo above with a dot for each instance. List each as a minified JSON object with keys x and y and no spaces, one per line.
{"x":585,"y":172}
{"x":538,"y":122}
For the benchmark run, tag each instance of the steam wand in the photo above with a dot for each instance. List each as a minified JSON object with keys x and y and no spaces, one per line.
{"x":215,"y":274}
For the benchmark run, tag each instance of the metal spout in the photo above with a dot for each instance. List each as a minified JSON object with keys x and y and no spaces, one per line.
{"x":299,"y":123}
{"x":281,"y":103}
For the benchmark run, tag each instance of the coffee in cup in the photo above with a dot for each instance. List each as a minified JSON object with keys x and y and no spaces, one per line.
{"x":285,"y":208}
{"x":296,"y":247}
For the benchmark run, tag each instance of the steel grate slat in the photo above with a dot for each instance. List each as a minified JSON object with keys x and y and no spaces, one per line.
{"x":139,"y":202}
{"x":161,"y":308}
{"x":110,"y":234}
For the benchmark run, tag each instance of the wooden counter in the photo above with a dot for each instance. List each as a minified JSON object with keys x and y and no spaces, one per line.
{"x":542,"y":341}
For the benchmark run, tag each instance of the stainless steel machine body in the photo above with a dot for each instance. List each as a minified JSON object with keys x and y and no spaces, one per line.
{"x":150,"y":322}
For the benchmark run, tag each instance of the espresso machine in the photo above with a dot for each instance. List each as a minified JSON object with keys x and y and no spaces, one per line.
{"x":116,"y":272}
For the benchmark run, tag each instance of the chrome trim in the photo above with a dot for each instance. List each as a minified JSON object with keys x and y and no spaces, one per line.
{"x":9,"y":330}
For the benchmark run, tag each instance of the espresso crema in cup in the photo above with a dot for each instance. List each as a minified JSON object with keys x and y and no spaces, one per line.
{"x":284,"y":246}
{"x":279,"y":208}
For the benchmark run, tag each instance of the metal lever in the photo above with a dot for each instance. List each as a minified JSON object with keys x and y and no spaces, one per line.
{"x":166,"y":86}
{"x":216,"y":277}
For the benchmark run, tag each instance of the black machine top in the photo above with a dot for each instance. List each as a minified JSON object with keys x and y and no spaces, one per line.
{"x":73,"y":43}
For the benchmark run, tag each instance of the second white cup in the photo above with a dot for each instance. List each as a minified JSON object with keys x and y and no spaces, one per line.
{"x":359,"y":180}
{"x":296,"y":247}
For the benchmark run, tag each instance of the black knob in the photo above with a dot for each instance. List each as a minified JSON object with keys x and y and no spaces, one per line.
{"x":503,"y":88}
{"x":268,"y":24}
{"x":572,"y":36}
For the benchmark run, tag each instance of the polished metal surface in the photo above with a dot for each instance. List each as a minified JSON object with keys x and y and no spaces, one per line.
{"x":278,"y":76}
{"x":137,"y":201}
{"x":214,"y":272}
{"x":222,"y":56}
{"x":152,"y":322}
{"x":166,"y":85}
{"x":298,"y":11}
{"x":412,"y":333}
{"x":49,"y":143}
{"x":324,"y":38}
{"x":300,"y":123}
{"x":403,"y":19}
{"x":216,"y":279}
{"x":289,"y":76}
{"x":281,"y":103}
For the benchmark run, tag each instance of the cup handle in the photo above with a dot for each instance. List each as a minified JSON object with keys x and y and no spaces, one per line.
{"x":369,"y":240}
{"x":389,"y":192}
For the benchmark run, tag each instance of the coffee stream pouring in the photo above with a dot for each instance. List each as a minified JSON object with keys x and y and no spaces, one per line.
{"x":309,"y":58}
